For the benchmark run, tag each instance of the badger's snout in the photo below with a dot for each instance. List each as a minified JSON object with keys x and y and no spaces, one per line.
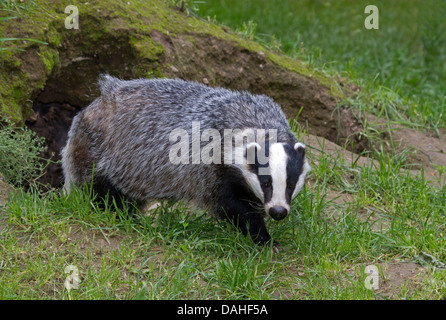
{"x":278,"y":212}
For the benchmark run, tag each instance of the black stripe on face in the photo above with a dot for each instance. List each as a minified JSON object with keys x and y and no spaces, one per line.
{"x":294,"y":168}
{"x":264,"y":180}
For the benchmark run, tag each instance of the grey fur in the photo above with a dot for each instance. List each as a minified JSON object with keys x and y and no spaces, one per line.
{"x":125,"y":133}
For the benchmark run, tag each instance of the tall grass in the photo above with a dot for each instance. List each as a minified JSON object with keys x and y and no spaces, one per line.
{"x":406,"y":55}
{"x":175,"y":253}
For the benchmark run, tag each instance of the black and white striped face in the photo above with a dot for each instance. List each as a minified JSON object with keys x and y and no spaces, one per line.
{"x":287,"y":168}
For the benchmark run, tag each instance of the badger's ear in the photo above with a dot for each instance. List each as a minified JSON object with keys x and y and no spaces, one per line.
{"x":250,"y":151}
{"x":300,"y":148}
{"x":252,"y":145}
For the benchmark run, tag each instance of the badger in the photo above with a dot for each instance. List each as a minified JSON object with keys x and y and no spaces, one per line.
{"x":121,"y":145}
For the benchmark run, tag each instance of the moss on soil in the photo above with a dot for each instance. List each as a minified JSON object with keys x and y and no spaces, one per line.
{"x":23,"y":74}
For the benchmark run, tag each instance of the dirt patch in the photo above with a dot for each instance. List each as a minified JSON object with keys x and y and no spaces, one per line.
{"x":424,"y":149}
{"x":423,"y":152}
{"x":392,"y":280}
{"x":399,"y":276}
{"x":427,"y":150}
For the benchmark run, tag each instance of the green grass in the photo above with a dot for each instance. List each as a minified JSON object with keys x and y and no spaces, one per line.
{"x":13,"y":10}
{"x":175,"y":253}
{"x":350,"y":215}
{"x":403,"y":62}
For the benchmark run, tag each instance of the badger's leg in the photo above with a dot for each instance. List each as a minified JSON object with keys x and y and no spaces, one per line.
{"x":242,"y":215}
{"x":254,"y":224}
{"x":108,"y":194}
{"x":238,"y":205}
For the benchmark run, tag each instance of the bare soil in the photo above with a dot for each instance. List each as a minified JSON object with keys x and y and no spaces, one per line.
{"x":424,"y":151}
{"x":399,"y":275}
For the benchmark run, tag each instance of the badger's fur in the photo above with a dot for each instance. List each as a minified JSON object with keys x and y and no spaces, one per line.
{"x":124,"y":135}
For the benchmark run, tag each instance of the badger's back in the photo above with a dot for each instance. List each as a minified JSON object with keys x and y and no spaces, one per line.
{"x":176,"y":103}
{"x":125,"y":133}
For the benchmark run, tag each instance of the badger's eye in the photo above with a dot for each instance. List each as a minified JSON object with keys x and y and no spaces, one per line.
{"x":266,"y":184}
{"x":290,"y":186}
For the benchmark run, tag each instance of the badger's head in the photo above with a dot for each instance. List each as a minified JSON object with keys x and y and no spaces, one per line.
{"x":280,"y":179}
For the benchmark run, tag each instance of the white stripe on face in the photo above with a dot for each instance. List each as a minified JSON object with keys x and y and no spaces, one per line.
{"x":253,"y":181}
{"x":277,"y":164}
{"x":250,"y":177}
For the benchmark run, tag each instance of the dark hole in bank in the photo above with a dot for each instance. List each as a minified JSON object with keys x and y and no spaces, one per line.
{"x":53,"y":120}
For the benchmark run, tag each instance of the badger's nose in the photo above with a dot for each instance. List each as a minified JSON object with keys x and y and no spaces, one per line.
{"x":278,"y":212}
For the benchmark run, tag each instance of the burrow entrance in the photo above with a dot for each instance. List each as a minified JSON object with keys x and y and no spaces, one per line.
{"x":73,"y":86}
{"x":52,"y":121}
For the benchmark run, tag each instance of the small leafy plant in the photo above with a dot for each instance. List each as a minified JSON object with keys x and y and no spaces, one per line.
{"x":20,"y":149}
